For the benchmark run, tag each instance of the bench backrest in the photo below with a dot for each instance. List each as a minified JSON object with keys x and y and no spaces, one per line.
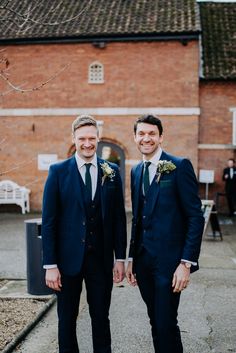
{"x":11,"y":190}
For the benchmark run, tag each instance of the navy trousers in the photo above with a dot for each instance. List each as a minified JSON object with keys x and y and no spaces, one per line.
{"x":162,"y":304}
{"x":98,"y":287}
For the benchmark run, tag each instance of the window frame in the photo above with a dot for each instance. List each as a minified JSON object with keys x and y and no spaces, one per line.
{"x":92,"y":80}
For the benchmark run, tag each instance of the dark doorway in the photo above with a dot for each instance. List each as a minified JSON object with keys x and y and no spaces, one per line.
{"x":115,"y":154}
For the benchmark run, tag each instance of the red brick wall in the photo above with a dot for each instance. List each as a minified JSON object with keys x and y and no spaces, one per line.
{"x":136,"y":75}
{"x":157,"y":74}
{"x":216,"y":99}
{"x":52,"y":135}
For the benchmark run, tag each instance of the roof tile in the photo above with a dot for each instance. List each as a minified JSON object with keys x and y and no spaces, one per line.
{"x":219,"y":40}
{"x":97,"y":18}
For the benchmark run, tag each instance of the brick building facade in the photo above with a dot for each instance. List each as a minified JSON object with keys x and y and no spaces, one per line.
{"x":218,"y":103}
{"x":145,"y":69}
{"x":217,"y":87}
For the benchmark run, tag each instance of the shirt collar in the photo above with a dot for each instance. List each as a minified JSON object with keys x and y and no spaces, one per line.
{"x":81,"y":162}
{"x":155,"y":159}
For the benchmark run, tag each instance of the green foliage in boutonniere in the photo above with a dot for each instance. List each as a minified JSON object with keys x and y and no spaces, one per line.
{"x":164,"y":167}
{"x":108,"y":172}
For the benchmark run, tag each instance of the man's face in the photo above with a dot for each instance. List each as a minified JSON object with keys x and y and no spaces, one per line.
{"x":230,"y":163}
{"x":147,"y":139}
{"x":86,"y":140}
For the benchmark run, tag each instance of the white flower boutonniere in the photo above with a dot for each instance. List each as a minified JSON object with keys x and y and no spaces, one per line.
{"x":108,"y":172}
{"x":164,"y":167}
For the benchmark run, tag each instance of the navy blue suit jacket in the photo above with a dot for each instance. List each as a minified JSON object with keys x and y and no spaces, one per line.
{"x":64,"y":219}
{"x":230,"y":184}
{"x":173,"y":220}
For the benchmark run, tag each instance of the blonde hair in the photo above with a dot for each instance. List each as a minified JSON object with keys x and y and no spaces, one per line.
{"x":83,"y":120}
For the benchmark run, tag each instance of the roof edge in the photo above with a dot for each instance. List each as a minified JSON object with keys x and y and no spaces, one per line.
{"x":218,"y":79}
{"x":183,"y":36}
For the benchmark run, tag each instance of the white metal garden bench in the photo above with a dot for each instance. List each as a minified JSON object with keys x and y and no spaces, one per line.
{"x":12,"y":193}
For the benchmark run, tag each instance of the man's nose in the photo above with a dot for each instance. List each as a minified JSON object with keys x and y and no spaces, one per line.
{"x":87,"y":143}
{"x":146,"y":138}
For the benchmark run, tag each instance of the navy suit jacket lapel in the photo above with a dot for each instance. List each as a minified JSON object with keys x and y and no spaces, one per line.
{"x":102,"y":187}
{"x":152,"y":195}
{"x":137,"y":187}
{"x":154,"y":189}
{"x":75,"y":183}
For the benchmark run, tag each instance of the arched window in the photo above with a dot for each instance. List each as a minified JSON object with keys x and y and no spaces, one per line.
{"x":96,"y":73}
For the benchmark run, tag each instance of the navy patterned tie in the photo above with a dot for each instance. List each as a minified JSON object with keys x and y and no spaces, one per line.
{"x":146,"y":181}
{"x":88,"y":180}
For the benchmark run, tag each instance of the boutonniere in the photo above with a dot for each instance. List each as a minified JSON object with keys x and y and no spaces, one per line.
{"x":164,"y":167}
{"x":108,"y":172}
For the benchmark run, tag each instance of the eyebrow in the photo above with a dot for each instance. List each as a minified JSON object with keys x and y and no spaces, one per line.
{"x":147,"y":132}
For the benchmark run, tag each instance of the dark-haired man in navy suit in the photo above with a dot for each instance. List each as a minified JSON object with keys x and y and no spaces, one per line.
{"x":83,"y":228}
{"x":166,"y":233}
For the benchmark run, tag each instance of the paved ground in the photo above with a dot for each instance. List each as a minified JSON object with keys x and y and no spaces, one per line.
{"x":207,"y":312}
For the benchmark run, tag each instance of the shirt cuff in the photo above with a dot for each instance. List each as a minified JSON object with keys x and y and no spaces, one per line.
{"x":190,"y":262}
{"x":121,"y":260}
{"x":48,"y":267}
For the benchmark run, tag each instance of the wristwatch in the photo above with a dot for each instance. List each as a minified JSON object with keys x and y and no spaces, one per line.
{"x":186,"y":264}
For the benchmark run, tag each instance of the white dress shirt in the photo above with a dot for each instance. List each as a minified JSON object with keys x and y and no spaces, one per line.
{"x":93,"y":171}
{"x":153,"y":166}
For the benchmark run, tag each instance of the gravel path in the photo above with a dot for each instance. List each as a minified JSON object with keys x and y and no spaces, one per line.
{"x":207,"y":314}
{"x":15,"y":315}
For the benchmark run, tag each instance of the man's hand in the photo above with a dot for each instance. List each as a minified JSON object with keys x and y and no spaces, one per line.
{"x":53,"y":279}
{"x":129,"y":274}
{"x":118,"y":271}
{"x":180,"y":278}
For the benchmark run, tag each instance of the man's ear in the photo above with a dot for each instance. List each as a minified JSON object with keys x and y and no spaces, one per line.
{"x":73,"y":137}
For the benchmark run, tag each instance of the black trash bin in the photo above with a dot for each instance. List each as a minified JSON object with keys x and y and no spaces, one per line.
{"x":35,"y":272}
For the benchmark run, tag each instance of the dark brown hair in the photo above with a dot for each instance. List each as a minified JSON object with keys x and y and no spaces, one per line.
{"x":149,"y":119}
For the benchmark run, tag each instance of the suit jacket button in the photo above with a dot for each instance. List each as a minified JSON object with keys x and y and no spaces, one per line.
{"x":83,"y":240}
{"x":144,"y":216}
{"x":83,"y":223}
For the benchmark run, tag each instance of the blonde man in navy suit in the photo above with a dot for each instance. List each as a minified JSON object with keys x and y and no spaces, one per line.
{"x":166,"y":232}
{"x":84,"y":236}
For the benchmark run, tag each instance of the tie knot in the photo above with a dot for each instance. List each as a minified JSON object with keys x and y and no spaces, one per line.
{"x":147,"y":164}
{"x":87,"y":166}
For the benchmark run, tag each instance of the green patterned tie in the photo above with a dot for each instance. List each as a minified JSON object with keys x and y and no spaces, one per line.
{"x":88,"y":181}
{"x":146,"y":181}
